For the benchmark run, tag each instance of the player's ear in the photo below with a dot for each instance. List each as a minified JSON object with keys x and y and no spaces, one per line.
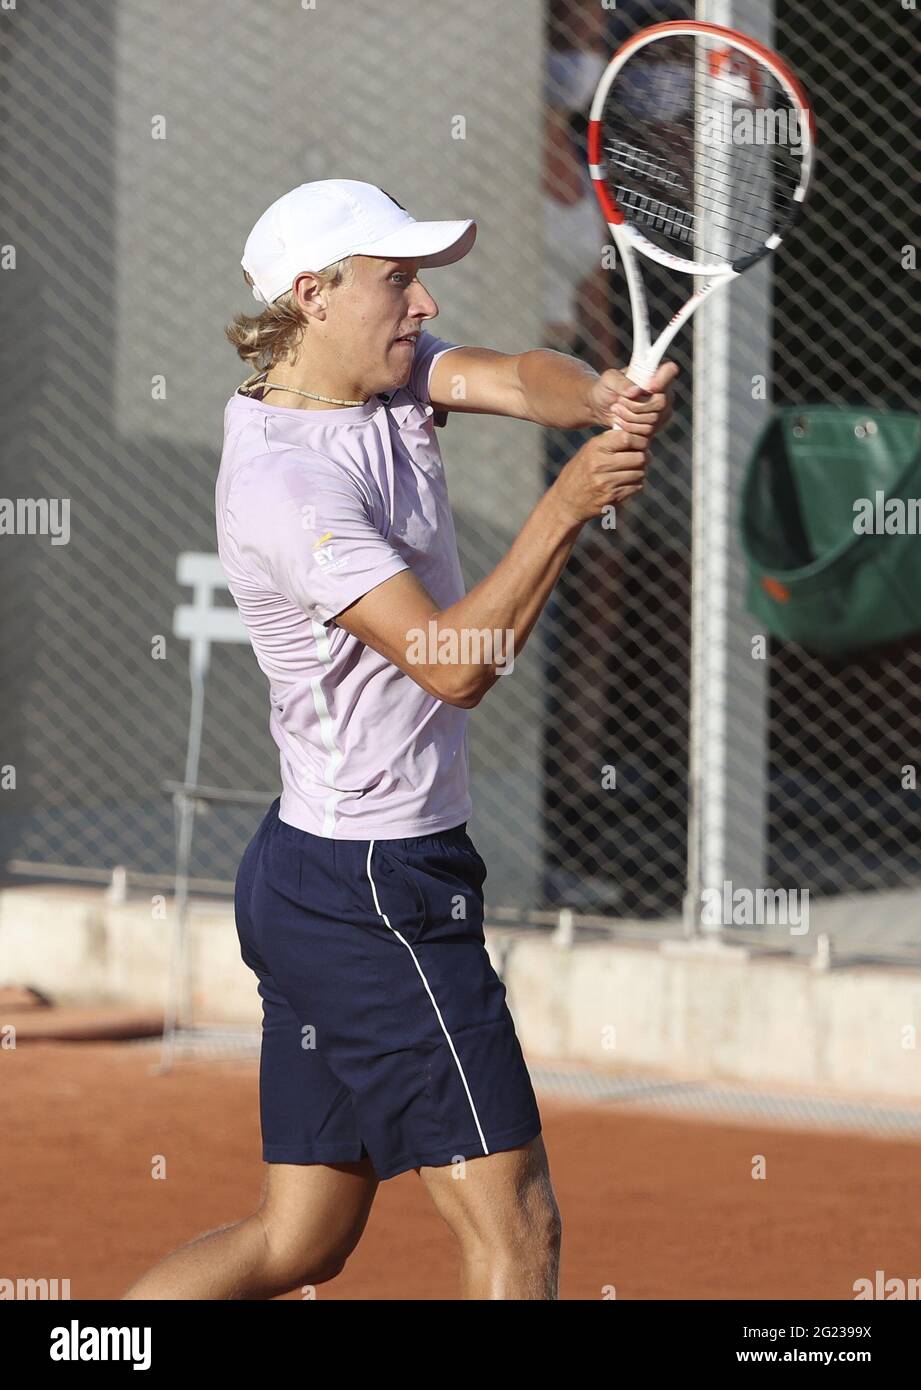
{"x":308,"y":294}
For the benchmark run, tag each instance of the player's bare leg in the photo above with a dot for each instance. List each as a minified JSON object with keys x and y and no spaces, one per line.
{"x":310,"y":1220}
{"x":502,"y":1209}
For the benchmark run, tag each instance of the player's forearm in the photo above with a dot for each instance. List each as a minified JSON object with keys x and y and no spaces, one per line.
{"x":498,"y":615}
{"x":555,"y":389}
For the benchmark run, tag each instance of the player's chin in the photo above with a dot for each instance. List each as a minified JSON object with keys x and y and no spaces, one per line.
{"x":399,"y":366}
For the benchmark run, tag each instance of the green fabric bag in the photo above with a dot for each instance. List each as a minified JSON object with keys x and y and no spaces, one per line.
{"x":821,"y":571}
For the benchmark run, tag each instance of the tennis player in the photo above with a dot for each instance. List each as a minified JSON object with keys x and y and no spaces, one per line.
{"x":387,"y":1044}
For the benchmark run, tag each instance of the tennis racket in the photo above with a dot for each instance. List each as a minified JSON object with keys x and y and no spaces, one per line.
{"x":701,"y":149}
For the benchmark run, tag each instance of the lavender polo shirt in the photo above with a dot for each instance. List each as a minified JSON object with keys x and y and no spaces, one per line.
{"x":313,"y":509}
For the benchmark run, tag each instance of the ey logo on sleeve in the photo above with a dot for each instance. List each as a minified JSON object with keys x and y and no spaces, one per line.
{"x":323,"y":554}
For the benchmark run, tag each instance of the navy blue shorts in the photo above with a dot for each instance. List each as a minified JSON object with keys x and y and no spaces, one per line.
{"x":386,"y":1032}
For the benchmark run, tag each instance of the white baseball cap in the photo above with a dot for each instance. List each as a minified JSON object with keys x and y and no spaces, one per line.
{"x":317,"y":224}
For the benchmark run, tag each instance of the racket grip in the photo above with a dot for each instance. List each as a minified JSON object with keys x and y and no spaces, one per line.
{"x":640,"y":372}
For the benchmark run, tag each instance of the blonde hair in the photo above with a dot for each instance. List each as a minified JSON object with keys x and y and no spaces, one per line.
{"x":273,"y":336}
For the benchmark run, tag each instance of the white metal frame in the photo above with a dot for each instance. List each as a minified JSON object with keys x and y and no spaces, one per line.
{"x":727,"y":812}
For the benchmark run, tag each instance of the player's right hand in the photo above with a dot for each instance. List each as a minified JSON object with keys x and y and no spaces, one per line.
{"x":608,"y":469}
{"x":617,"y":403}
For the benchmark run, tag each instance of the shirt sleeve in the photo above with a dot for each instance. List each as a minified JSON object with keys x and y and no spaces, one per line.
{"x":309,"y":524}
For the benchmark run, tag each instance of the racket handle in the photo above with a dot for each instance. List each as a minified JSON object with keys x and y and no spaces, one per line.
{"x":641,"y":371}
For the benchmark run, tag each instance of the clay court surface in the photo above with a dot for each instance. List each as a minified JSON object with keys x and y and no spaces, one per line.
{"x":659,"y":1207}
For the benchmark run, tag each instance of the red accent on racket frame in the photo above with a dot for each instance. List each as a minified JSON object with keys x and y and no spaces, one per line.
{"x":608,"y":205}
{"x":771,"y":59}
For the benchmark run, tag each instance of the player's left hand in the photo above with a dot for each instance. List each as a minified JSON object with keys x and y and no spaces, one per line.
{"x":617,"y":403}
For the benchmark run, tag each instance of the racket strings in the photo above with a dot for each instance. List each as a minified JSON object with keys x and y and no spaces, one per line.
{"x":670,"y":219}
{"x":633,"y":161}
{"x":673,"y":171}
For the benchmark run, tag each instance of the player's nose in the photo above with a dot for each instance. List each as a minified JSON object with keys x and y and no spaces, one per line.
{"x":423,"y":305}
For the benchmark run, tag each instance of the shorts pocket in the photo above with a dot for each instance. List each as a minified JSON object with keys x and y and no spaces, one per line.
{"x":398,"y":896}
{"x":478,"y":870}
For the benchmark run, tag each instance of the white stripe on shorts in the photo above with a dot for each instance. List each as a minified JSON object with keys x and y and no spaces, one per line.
{"x":384,"y":919}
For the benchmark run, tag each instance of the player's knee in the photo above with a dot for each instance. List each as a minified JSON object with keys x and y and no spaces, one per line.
{"x":537,"y":1213}
{"x":300,"y":1268}
{"x":291,"y":1262}
{"x":530,"y":1233}
{"x":542,"y":1226}
{"x":546,"y":1229}
{"x":320,"y":1268}
{"x":314,"y":1265}
{"x":533,"y":1243}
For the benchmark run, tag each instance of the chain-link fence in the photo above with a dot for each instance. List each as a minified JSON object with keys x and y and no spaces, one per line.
{"x":139,"y":144}
{"x":843,"y":813}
